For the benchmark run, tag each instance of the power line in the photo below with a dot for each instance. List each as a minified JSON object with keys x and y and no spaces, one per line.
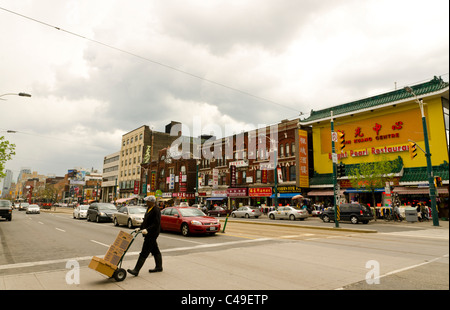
{"x":151,"y":60}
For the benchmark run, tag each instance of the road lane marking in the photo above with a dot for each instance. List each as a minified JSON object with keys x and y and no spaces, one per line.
{"x":41,"y":223}
{"x":180,"y":239}
{"x":64,"y":260}
{"x":60,"y":229}
{"x":98,"y":242}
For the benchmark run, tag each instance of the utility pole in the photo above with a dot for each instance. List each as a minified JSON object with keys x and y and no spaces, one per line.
{"x":335,"y":185}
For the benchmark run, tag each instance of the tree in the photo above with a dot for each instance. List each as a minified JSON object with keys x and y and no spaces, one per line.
{"x":7,"y":150}
{"x":370,"y":176}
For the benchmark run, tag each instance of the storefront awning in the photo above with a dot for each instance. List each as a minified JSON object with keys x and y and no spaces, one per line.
{"x":326,"y":192}
{"x":354,"y":190}
{"x":285,"y":195}
{"x":215,"y":198}
{"x":418,"y":190}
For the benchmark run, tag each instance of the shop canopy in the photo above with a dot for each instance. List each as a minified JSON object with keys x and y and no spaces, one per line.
{"x":216,"y":198}
{"x":418,"y":190}
{"x":285,"y":195}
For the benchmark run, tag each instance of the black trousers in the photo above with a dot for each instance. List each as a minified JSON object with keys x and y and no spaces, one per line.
{"x":150,"y":246}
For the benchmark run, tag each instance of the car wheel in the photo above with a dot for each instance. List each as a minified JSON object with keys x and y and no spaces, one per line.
{"x":272,"y":217}
{"x":292,"y":217}
{"x":116,"y":223}
{"x":326,"y":218}
{"x":130,"y":224}
{"x":354,"y":220}
{"x":233,"y":215}
{"x":247,"y":216}
{"x":185,"y":229}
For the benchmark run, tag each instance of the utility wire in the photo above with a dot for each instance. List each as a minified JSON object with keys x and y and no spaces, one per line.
{"x":150,"y":60}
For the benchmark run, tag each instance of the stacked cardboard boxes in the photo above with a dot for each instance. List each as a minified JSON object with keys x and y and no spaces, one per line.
{"x":108,"y":264}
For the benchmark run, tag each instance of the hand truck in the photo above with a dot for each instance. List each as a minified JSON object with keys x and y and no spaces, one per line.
{"x":111,"y":264}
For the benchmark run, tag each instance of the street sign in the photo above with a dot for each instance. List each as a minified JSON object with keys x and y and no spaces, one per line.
{"x":334,"y":136}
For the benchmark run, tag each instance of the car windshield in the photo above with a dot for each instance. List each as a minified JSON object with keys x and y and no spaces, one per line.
{"x":136,"y":210}
{"x":191,"y":212}
{"x":83,"y":207}
{"x":4,"y":203}
{"x":107,"y":206}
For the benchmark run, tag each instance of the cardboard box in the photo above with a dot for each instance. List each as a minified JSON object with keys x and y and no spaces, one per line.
{"x":123,"y":240}
{"x":102,"y":266}
{"x":114,"y":255}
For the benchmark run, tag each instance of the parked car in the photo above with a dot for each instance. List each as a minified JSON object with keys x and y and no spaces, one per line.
{"x":289,"y":212}
{"x":23,"y":206}
{"x":80,"y":212}
{"x":6,"y":209}
{"x":247,"y":212}
{"x":188,"y":220}
{"x":129,"y":215}
{"x":218,"y":211}
{"x":101,"y":211}
{"x":353,"y":212}
{"x":33,"y":209}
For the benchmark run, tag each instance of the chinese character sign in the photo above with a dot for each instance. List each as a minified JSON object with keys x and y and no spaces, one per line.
{"x":302,"y":163}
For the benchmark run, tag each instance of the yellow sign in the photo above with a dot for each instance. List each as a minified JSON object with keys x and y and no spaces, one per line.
{"x":302,"y":159}
{"x":378,"y":131}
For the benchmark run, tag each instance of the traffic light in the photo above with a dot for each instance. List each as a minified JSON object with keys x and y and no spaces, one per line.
{"x":340,"y":170}
{"x":412,"y":149}
{"x":437,"y":181}
{"x":341,"y":140}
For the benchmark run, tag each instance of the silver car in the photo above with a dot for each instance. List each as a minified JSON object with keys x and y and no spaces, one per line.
{"x":291,"y":213}
{"x":129,"y":215}
{"x":247,"y":212}
{"x":33,"y":209}
{"x":80,"y":212}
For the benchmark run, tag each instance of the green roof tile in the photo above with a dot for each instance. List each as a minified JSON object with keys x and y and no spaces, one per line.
{"x":434,"y":85}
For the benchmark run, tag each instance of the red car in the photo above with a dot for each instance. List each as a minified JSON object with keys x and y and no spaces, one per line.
{"x":188,"y":220}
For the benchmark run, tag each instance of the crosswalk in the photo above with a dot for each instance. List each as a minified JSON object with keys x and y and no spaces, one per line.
{"x":434,"y":233}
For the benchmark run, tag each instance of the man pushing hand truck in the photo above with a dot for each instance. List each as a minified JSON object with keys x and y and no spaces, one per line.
{"x":150,"y":229}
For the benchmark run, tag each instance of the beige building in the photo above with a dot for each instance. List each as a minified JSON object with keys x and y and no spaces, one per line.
{"x":111,"y":166}
{"x":137,"y":146}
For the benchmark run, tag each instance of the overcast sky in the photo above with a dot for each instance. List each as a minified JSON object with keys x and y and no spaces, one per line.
{"x":239,"y":63}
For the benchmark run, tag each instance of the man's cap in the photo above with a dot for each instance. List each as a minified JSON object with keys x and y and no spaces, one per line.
{"x":150,"y":198}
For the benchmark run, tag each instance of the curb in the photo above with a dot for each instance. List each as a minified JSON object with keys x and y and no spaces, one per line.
{"x":306,"y":226}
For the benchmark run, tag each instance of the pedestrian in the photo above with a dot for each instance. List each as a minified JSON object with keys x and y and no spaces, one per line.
{"x":150,"y":228}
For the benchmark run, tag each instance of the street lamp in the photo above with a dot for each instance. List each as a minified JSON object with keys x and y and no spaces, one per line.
{"x":14,"y":94}
{"x":428,"y":157}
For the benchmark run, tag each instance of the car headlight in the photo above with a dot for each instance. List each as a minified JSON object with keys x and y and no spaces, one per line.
{"x":102,"y":214}
{"x":196,"y":223}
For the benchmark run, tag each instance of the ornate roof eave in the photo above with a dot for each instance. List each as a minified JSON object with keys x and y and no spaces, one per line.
{"x":375,"y":107}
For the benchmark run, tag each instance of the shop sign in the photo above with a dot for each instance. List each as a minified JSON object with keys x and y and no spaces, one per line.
{"x":260,"y":192}
{"x":219,"y":193}
{"x":302,"y":159}
{"x":239,"y":163}
{"x":183,"y":195}
{"x":136,"y":187}
{"x":233,"y":176}
{"x":373,"y":151}
{"x":236,"y":192}
{"x":289,"y":189}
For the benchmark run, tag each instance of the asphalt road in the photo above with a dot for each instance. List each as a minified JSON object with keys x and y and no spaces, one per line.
{"x":291,"y":255}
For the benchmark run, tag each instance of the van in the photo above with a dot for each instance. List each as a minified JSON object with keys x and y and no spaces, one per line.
{"x":353,"y":212}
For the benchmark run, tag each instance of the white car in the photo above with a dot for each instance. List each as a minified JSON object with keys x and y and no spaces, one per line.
{"x":33,"y":209}
{"x":80,"y":212}
{"x":291,"y":213}
{"x":247,"y":212}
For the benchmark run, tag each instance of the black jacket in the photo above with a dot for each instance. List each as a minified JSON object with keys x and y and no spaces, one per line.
{"x":152,"y":222}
